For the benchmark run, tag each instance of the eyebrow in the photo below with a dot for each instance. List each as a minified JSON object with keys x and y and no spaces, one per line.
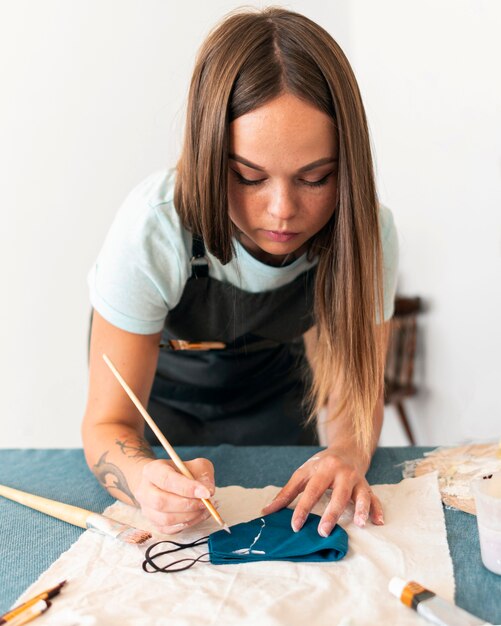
{"x":305,"y":168}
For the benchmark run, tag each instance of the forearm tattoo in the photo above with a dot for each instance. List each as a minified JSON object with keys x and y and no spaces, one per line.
{"x":111,"y":477}
{"x":135,"y":448}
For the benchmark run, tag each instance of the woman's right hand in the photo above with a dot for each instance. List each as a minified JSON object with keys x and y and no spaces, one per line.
{"x":170,"y":500}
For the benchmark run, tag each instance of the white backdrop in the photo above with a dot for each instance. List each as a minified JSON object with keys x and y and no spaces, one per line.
{"x":92,"y":101}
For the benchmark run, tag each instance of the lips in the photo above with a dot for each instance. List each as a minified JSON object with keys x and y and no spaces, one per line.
{"x":281,"y":236}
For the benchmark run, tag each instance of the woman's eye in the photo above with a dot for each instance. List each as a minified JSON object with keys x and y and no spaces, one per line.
{"x":308,"y":183}
{"x":317,"y":183}
{"x":245,"y":181}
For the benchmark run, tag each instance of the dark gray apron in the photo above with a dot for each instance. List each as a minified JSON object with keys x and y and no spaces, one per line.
{"x":253,"y":391}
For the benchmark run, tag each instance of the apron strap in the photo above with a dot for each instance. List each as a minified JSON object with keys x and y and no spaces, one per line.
{"x":200,"y":269}
{"x":199,"y":260}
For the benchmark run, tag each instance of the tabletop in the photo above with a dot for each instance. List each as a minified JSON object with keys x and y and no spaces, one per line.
{"x":31,"y":541}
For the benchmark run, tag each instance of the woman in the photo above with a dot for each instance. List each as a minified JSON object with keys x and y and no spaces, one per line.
{"x":267,"y":236}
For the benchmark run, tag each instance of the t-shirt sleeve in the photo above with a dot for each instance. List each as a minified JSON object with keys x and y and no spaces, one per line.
{"x":389,"y":242}
{"x":141,"y":271}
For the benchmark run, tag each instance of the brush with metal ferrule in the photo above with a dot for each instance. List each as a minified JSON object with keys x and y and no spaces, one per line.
{"x":77,"y":516}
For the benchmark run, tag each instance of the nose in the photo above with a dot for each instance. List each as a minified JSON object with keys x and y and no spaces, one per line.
{"x":282,"y":206}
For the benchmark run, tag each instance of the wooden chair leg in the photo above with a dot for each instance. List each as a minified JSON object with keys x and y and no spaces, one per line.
{"x":405,"y":423}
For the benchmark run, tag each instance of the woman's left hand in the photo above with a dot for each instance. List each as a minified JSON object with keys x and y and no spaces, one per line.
{"x":329,"y":469}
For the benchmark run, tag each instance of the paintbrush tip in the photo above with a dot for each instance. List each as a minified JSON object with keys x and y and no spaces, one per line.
{"x":227,"y":528}
{"x":134,"y":536}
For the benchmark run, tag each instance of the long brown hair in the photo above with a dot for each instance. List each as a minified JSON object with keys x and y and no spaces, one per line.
{"x":250,"y":58}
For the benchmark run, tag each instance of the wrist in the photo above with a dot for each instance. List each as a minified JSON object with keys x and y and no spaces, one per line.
{"x":352,"y":454}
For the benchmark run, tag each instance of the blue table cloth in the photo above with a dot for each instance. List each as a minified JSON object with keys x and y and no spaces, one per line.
{"x":30,"y":541}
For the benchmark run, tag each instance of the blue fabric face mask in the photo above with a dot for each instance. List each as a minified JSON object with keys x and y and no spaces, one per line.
{"x":267,"y":538}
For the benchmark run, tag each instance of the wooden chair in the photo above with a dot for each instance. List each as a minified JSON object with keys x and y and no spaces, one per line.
{"x":399,"y":368}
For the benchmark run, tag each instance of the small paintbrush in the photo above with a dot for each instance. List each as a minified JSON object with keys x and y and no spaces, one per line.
{"x":77,"y":516}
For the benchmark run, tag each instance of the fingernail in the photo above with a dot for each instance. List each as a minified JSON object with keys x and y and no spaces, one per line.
{"x":324,"y":530}
{"x":268,"y":506}
{"x":277,"y":500}
{"x":360,"y":520}
{"x":202,"y":492}
{"x":380,"y":519}
{"x":208,"y":483}
{"x":297,"y":523}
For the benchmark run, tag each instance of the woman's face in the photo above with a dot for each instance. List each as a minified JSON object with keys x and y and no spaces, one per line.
{"x":282,"y":176}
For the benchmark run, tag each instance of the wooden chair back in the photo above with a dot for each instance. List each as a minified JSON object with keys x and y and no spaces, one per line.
{"x":400,"y":358}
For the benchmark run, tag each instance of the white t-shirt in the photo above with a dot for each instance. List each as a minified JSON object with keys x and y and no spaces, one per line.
{"x":144,"y":263}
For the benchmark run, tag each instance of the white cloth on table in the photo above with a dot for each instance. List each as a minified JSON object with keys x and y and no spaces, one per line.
{"x":106,"y":584}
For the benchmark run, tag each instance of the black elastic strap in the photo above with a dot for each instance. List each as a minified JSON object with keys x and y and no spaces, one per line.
{"x":149,"y":557}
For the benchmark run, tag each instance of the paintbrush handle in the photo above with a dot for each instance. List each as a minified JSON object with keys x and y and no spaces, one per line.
{"x":176,"y":459}
{"x":65,"y":512}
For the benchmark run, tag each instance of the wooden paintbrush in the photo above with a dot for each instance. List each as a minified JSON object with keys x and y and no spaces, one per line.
{"x":77,"y":516}
{"x":31,"y":613}
{"x":176,"y":459}
{"x":48,"y":594}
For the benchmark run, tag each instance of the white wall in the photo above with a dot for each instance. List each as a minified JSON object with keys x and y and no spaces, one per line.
{"x":429,"y":72}
{"x":92,"y":101}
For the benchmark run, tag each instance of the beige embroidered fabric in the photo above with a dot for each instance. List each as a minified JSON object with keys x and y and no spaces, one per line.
{"x":106,"y":584}
{"x":456,"y":468}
